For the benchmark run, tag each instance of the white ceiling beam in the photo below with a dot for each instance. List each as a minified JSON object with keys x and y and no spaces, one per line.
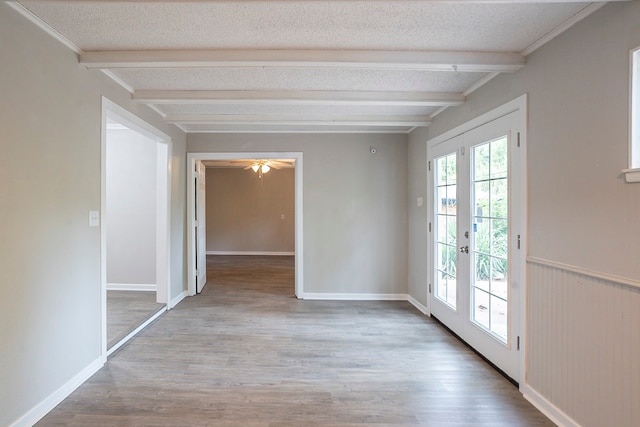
{"x":398,"y":131}
{"x":302,"y":97}
{"x":348,"y":1}
{"x":296,"y":120}
{"x":483,"y":62}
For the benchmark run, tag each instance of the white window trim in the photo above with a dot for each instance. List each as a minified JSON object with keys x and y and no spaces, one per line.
{"x":633,"y":173}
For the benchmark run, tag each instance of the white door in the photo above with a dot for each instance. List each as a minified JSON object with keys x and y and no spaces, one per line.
{"x":201,"y":227}
{"x":477,"y":223}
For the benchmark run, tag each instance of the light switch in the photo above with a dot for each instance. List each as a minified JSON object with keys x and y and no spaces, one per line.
{"x":420,"y":202}
{"x":282,"y":217}
{"x":94,"y":218}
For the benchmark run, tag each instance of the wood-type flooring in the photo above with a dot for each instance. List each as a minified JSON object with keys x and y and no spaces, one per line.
{"x":126,"y":310}
{"x":247,"y":353}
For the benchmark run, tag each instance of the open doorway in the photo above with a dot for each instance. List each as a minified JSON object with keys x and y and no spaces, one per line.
{"x":241,"y":231}
{"x":135,"y":218}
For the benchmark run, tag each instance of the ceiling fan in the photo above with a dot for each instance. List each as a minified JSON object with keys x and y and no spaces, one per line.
{"x":262,"y":166}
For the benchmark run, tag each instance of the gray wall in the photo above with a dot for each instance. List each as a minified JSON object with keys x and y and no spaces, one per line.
{"x":131,"y":207}
{"x":50,"y":117}
{"x":355,"y":206}
{"x":581,"y":214}
{"x":244,"y":212}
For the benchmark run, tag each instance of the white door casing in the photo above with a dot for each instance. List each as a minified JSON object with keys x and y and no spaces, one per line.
{"x":192,"y":158}
{"x":502,"y":345}
{"x":112,"y":111}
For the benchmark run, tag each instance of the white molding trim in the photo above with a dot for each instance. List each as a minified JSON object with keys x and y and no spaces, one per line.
{"x":143,"y":287}
{"x":477,"y":85}
{"x":453,"y":61}
{"x":118,"y":80}
{"x":585,"y":272}
{"x":44,"y":26}
{"x":517,"y":104}
{"x":36,"y":413}
{"x":550,"y":410}
{"x":354,"y":297}
{"x":182,"y":295}
{"x":297,"y":130}
{"x":631,"y":175}
{"x":435,"y":1}
{"x":133,"y":333}
{"x":299,"y":211}
{"x":588,"y":10}
{"x":250,"y":253}
{"x":299,"y":120}
{"x":111,"y":109}
{"x":302,"y":97}
{"x":520,"y":220}
{"x":417,"y":304}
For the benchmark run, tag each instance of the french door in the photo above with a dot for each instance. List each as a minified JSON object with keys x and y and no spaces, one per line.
{"x":477,"y":224}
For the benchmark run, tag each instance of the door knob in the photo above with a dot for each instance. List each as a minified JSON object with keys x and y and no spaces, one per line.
{"x":464,"y":249}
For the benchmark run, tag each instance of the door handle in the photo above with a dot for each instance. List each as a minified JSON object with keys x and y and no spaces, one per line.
{"x":464,"y":249}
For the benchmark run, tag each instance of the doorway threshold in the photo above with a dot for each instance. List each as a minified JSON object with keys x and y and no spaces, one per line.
{"x":135,"y":331}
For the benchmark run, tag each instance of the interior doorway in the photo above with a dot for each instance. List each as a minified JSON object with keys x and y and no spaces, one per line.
{"x":135,"y":200}
{"x":196,"y":238}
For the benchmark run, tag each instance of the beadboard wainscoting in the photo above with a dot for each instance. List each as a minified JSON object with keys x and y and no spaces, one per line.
{"x":583,"y":331}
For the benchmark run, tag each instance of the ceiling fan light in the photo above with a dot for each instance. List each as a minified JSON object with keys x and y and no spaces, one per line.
{"x":255,"y":167}
{"x":265,"y":168}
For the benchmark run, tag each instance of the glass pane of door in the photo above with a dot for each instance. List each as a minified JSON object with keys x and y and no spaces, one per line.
{"x":489,"y":246}
{"x":446,"y":226}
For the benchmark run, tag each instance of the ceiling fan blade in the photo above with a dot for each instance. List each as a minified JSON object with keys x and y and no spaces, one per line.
{"x":280,"y":163}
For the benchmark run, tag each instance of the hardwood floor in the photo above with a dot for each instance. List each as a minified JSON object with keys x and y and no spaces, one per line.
{"x":246,"y":353}
{"x":126,"y":310}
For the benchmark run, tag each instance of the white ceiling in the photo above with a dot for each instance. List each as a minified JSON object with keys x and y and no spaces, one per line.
{"x":309,"y":66}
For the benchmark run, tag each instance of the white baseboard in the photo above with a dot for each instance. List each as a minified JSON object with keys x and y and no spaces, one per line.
{"x":146,"y":287}
{"x":417,"y":304}
{"x":250,"y":253}
{"x":355,"y":297}
{"x":177,"y":300}
{"x":135,"y":331}
{"x":552,"y":412}
{"x":36,"y":413}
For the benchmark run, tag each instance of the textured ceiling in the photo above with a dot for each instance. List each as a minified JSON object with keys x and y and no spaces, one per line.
{"x":263,"y":91}
{"x":408,"y":25}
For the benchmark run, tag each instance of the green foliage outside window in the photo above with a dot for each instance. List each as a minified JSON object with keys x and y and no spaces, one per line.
{"x":491,"y":226}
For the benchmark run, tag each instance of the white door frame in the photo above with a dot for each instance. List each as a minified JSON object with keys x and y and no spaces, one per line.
{"x":191,"y":160}
{"x":200,"y":215}
{"x":519,"y":197}
{"x":163,"y":228}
